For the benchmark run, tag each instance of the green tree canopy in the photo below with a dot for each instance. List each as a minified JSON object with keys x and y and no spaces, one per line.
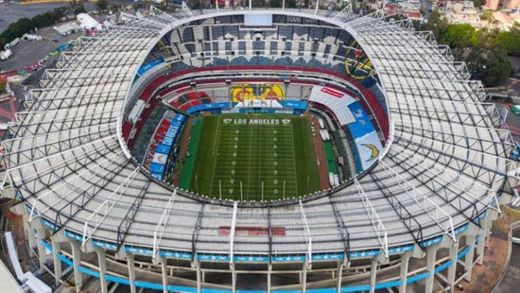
{"x":489,"y":65}
{"x":290,"y":4}
{"x":26,"y":25}
{"x":487,"y":15}
{"x":437,"y":24}
{"x":479,"y":3}
{"x":484,"y":51}
{"x":460,"y":36}
{"x":508,"y":41}
{"x":102,"y":5}
{"x":275,"y":3}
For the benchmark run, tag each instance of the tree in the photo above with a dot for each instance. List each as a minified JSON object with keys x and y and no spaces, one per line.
{"x":26,"y":25}
{"x":115,"y":7}
{"x":485,"y":52}
{"x":508,"y":41}
{"x":194,"y":4}
{"x":16,"y":30}
{"x":275,"y":3}
{"x":80,"y":9}
{"x":460,"y":36}
{"x":437,"y":24}
{"x":489,"y":65}
{"x":290,"y":4}
{"x":146,"y":4}
{"x":102,"y":5}
{"x":487,"y":15}
{"x":479,"y":3}
{"x":77,"y":6}
{"x":255,"y":3}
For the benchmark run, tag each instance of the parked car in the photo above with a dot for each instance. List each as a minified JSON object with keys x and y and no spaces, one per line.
{"x":515,"y":109}
{"x":4,"y":55}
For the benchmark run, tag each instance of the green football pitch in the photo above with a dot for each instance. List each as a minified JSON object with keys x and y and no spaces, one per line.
{"x":255,"y":157}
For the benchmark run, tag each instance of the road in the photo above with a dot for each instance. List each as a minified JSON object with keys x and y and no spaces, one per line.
{"x":427,"y":7}
{"x":511,"y":279}
{"x":11,"y":12}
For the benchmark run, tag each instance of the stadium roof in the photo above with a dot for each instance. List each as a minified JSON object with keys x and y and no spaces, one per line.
{"x":444,"y":165}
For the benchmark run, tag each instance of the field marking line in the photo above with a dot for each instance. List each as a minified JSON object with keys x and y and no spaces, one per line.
{"x":249,"y":156}
{"x":259,"y":169}
{"x":225,"y":151}
{"x":294,"y":160}
{"x":215,"y":145}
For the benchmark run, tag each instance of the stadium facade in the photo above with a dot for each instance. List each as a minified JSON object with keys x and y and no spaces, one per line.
{"x":417,"y":216}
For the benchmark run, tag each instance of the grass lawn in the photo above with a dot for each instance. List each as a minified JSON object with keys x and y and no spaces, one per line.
{"x":255,"y":157}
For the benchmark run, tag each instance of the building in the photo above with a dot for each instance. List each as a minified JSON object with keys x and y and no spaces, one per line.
{"x":87,"y":22}
{"x":512,"y":4}
{"x":463,"y":12}
{"x":492,"y":4}
{"x":67,"y":28}
{"x":410,"y":10}
{"x":502,"y":4}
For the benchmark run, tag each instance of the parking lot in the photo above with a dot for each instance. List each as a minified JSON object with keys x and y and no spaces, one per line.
{"x":28,"y":52}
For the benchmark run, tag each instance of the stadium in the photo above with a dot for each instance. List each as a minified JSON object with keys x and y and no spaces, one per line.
{"x":276,"y":150}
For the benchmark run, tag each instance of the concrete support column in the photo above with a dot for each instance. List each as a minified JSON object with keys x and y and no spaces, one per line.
{"x":431,"y":255}
{"x":452,"y":269}
{"x":76,"y":261}
{"x":481,"y":245}
{"x":40,"y":236}
{"x":340,"y":277}
{"x":30,"y":232}
{"x":199,"y":281}
{"x":131,"y":272}
{"x":228,"y":85}
{"x":102,"y":262}
{"x":164,"y":269}
{"x":56,"y":250}
{"x":483,"y":237}
{"x":304,"y":278}
{"x":468,"y":260}
{"x":233,"y":279}
{"x":269,"y":269}
{"x":405,"y":261}
{"x":373,"y":275}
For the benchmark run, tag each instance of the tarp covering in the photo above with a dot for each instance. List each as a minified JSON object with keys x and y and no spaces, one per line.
{"x":160,"y":158}
{"x":350,"y":113}
{"x":335,"y":100}
{"x":365,"y":136}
